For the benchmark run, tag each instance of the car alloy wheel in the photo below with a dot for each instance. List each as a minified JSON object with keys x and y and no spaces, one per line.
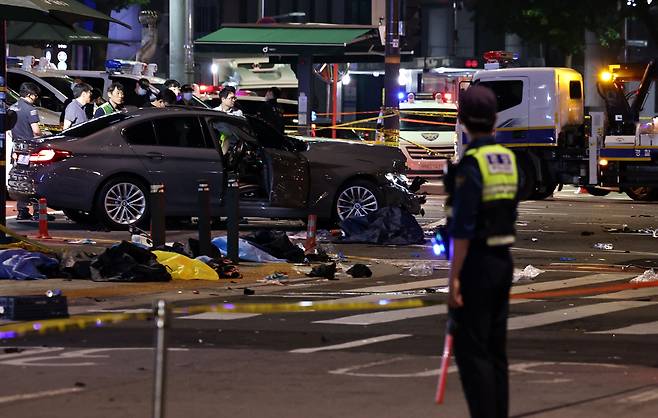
{"x":125,"y":203}
{"x":356,"y":201}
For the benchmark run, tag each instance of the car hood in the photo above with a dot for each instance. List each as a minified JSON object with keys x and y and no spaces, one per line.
{"x":346,"y":152}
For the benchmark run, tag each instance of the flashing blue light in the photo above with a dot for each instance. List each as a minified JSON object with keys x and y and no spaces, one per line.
{"x":400,"y":95}
{"x":112,"y":65}
{"x":439,"y":249}
{"x":515,"y":56}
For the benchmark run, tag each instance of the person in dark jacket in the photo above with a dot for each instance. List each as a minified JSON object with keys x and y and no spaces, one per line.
{"x":270,"y":112}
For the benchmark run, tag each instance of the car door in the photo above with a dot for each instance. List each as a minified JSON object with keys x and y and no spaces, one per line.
{"x":288,"y":168}
{"x":178,"y":157}
{"x":512,"y":125}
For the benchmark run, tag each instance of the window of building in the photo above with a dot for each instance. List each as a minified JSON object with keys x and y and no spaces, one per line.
{"x":509,"y":93}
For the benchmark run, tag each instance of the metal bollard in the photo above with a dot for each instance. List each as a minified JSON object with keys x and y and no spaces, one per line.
{"x":161,"y":313}
{"x":158,"y":229}
{"x":233,"y":218}
{"x":204,"y":217}
{"x":43,"y":219}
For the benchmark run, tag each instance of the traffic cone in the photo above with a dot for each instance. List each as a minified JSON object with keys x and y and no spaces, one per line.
{"x":311,"y":232}
{"x":43,"y":219}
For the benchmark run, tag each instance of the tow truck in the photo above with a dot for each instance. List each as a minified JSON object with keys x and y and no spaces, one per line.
{"x":541,"y":117}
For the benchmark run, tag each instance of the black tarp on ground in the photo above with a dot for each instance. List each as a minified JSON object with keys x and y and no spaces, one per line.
{"x":387,"y":226}
{"x":277,"y":244}
{"x":127,"y":262}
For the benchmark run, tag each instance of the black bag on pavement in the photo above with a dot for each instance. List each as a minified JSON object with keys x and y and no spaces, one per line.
{"x":277,"y":244}
{"x":127,"y":262}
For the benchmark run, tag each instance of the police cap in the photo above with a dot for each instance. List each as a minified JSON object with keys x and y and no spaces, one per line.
{"x":477,"y":109}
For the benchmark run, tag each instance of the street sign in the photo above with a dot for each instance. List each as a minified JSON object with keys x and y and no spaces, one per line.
{"x":637,"y":43}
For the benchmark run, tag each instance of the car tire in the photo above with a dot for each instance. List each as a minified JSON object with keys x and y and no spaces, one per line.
{"x":357,"y":198}
{"x":597,"y":191}
{"x":642,"y":194}
{"x":527,"y":177}
{"x":80,"y":216}
{"x":123,"y":202}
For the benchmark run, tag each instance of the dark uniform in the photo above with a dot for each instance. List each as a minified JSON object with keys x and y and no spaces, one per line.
{"x":26,"y":115}
{"x":482,"y":209}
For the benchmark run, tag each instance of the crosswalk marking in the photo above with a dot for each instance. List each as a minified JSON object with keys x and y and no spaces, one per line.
{"x":386,"y":316}
{"x":420,"y":284}
{"x":563,"y":315}
{"x":641,"y":397}
{"x":577,"y":281}
{"x":645,"y":328}
{"x":219,"y":316}
{"x":357,"y":343}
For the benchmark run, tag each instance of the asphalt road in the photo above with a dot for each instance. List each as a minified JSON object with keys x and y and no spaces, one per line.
{"x":586,"y":350}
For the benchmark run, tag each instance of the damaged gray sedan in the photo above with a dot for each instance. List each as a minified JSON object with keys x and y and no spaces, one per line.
{"x":101,"y":170}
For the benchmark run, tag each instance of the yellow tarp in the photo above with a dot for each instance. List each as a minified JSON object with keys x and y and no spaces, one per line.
{"x":185,"y":268}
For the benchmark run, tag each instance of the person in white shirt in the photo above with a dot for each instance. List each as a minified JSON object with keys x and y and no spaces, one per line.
{"x":227,"y":99}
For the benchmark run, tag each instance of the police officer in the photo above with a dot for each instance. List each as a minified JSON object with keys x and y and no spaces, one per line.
{"x":483,"y":205}
{"x":25,"y":129}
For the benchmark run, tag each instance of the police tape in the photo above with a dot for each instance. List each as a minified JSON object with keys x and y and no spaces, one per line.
{"x":79,"y":322}
{"x":37,"y":245}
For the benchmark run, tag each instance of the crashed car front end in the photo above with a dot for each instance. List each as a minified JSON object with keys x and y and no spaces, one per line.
{"x":398,"y":191}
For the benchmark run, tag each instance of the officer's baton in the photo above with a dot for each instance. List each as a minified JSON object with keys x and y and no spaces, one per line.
{"x":445,"y":363}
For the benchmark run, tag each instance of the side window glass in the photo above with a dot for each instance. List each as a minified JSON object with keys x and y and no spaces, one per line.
{"x":509,"y":93}
{"x":180,"y":132}
{"x":15,"y":80}
{"x":140,"y":134}
{"x":575,"y":91}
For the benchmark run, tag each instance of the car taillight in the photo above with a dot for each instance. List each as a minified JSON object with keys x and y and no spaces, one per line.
{"x":48,"y":155}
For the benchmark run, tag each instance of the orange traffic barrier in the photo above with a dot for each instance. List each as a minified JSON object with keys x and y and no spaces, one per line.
{"x":311,"y":232}
{"x":43,"y":219}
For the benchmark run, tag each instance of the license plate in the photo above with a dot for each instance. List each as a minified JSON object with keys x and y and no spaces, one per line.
{"x":23,"y":159}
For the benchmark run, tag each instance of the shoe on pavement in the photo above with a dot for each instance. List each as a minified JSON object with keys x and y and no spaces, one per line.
{"x":23,"y":215}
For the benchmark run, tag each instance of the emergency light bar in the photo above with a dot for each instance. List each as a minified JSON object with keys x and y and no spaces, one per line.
{"x":497,"y":58}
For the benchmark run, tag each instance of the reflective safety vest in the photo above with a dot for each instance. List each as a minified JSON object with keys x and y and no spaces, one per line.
{"x":107,"y":108}
{"x":496,"y":217}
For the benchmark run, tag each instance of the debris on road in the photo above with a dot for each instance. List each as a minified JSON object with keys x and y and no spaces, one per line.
{"x":87,"y":241}
{"x":386,"y":226}
{"x":359,"y":271}
{"x":246,"y":251}
{"x":534,"y":239}
{"x":421,"y":269}
{"x":127,"y":262}
{"x":604,"y":246}
{"x":648,"y":276}
{"x":19,"y":264}
{"x":248,"y":292}
{"x":327,"y":271}
{"x":528,"y":273}
{"x":277,"y":244}
{"x":567,"y":259}
{"x":277,"y":278}
{"x":586,"y":233}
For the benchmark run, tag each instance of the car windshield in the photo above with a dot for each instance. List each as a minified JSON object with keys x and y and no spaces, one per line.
{"x":63,"y":84}
{"x":95,"y":125}
{"x":437,"y":120}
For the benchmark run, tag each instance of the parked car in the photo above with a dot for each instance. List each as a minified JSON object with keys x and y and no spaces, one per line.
{"x":55,"y":86}
{"x":102,"y":169}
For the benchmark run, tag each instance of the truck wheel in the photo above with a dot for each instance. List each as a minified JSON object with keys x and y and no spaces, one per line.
{"x":597,"y":191}
{"x":527,"y":177}
{"x":642,"y":193}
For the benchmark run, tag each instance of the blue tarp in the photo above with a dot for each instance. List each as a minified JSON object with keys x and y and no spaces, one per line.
{"x":246,"y":251}
{"x":21,"y":264}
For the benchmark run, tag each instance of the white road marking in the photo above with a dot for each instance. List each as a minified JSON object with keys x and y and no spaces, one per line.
{"x":28,"y":351}
{"x":219,"y":316}
{"x":575,"y":282}
{"x":646,"y":396}
{"x":421,"y":284}
{"x":570,"y":314}
{"x":36,"y":395}
{"x":387,"y":316}
{"x":645,"y":328}
{"x":357,"y":343}
{"x":61,"y":359}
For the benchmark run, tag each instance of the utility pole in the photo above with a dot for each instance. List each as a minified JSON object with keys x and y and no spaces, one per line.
{"x":261,"y":9}
{"x":392,"y":68}
{"x":181,"y":46}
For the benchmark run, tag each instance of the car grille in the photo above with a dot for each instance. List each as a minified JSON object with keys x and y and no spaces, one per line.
{"x":439,"y":153}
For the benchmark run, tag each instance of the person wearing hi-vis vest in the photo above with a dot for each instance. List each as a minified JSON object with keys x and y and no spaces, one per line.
{"x":481,"y":211}
{"x":114,"y":102}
